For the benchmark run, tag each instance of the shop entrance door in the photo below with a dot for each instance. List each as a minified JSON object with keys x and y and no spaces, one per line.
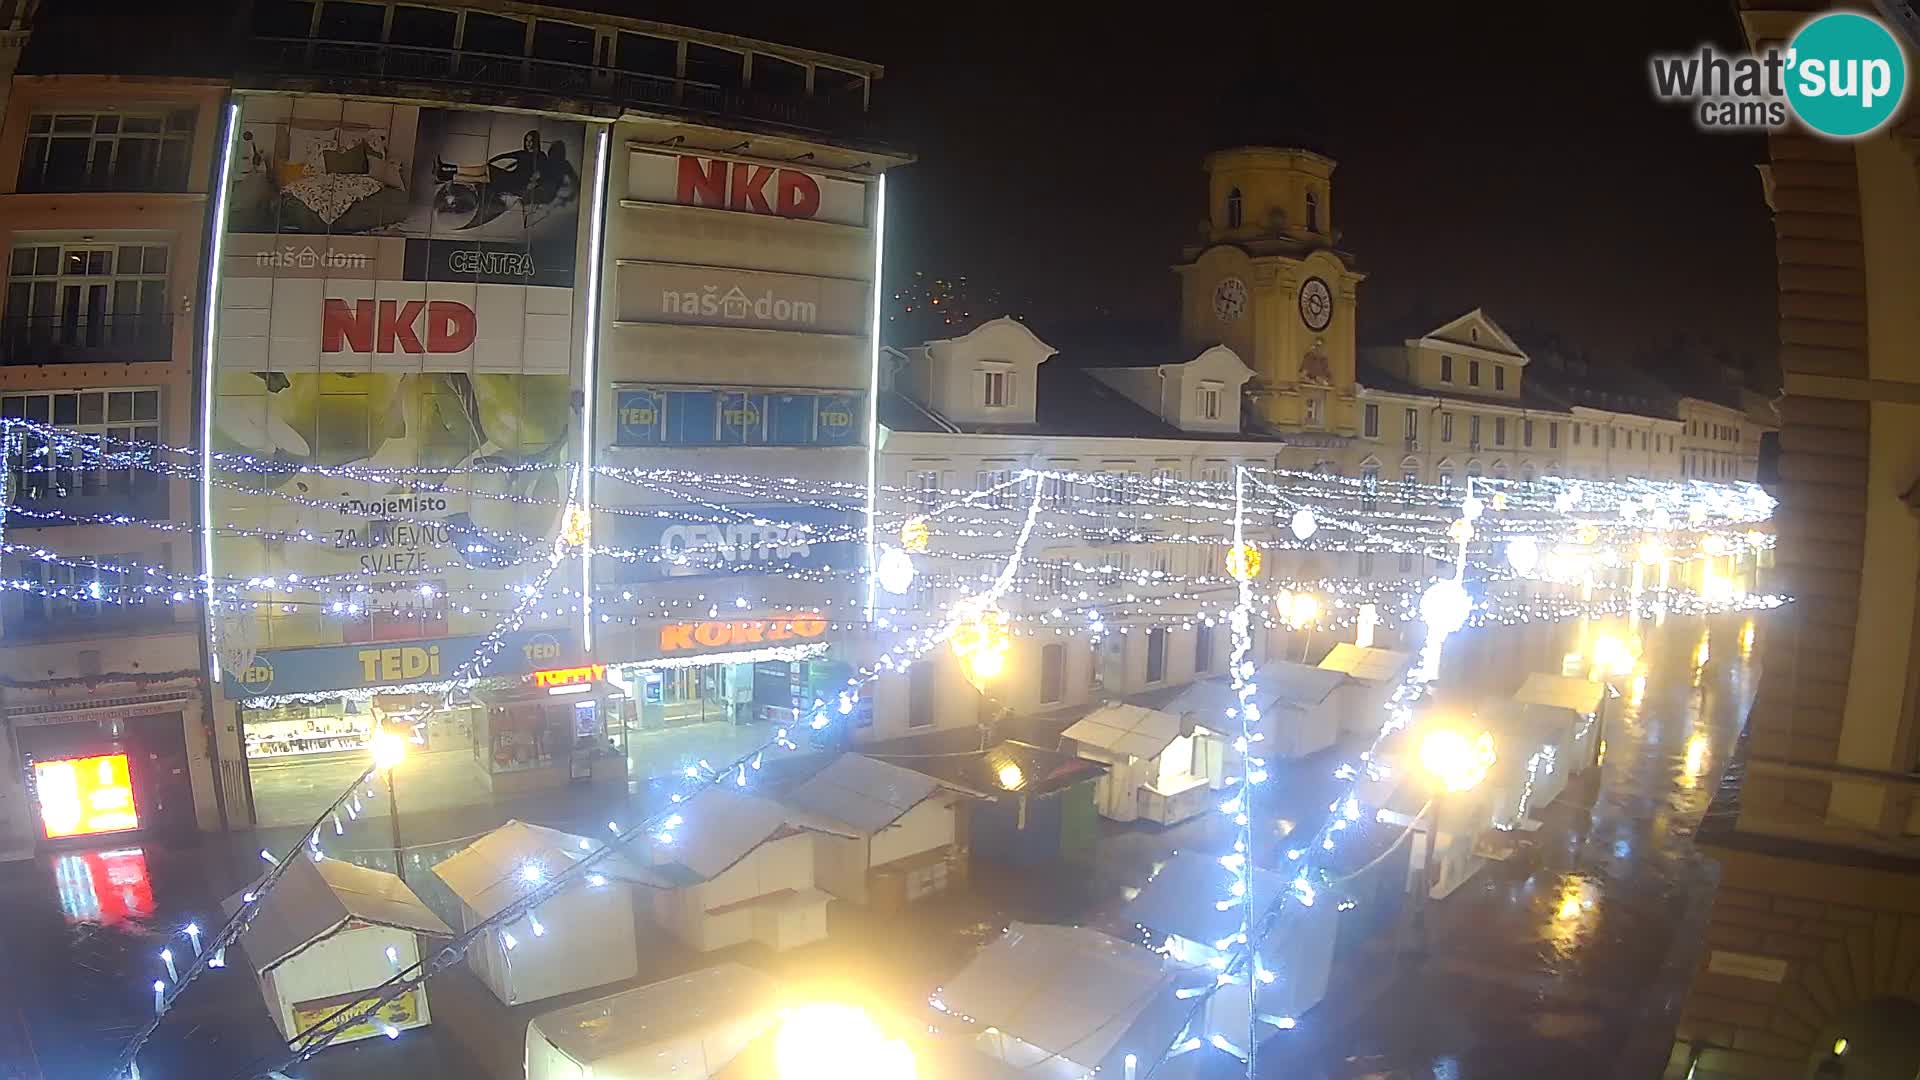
{"x":157,"y":764}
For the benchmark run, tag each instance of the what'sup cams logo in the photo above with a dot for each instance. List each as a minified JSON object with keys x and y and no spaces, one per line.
{"x":1843,"y":75}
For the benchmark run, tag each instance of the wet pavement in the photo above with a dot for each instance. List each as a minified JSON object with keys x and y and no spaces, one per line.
{"x":1568,"y":960}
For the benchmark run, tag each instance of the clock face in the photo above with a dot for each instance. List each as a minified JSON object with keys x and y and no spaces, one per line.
{"x":1316,"y":304}
{"x":1229,"y":299}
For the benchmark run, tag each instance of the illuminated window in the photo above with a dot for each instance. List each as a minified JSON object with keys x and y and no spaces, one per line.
{"x":1210,"y":401}
{"x":1313,"y":211}
{"x":1413,"y":427}
{"x":1234,"y":209}
{"x":1372,"y":422}
{"x":1446,"y":427}
{"x":996,"y":389}
{"x":1446,"y":369}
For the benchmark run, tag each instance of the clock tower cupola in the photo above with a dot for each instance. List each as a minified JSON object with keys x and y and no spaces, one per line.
{"x":1267,"y":281}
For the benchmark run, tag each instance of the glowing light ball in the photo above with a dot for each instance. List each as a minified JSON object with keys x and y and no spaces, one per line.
{"x":576,"y":529}
{"x":1660,"y":519}
{"x":1629,"y":510}
{"x":1714,"y":544}
{"x":1459,"y":762}
{"x":1696,"y":514}
{"x":837,"y":1042}
{"x":1653,"y":551}
{"x":389,"y":749}
{"x":1589,"y":534}
{"x":1460,"y":531}
{"x":1303,"y":524}
{"x":895,"y":571}
{"x":914,"y":535}
{"x":1243,"y":562}
{"x":1472,"y":508}
{"x":1297,"y":609}
{"x":1523,"y":554}
{"x":1444,"y":607}
{"x":980,"y":640}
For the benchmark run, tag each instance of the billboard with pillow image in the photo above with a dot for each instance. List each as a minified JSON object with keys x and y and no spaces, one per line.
{"x":399,"y":340}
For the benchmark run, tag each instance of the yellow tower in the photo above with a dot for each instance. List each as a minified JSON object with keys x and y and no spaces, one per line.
{"x":1266,"y":282}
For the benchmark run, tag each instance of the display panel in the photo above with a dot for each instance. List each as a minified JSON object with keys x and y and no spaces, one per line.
{"x":85,"y":796}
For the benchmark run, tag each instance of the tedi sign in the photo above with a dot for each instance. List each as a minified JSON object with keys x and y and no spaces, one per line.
{"x":387,"y":326}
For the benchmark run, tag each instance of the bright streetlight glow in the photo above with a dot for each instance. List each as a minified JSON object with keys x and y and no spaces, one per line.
{"x":1457,"y":761}
{"x":389,"y":749}
{"x":1445,"y":606}
{"x":838,"y":1042}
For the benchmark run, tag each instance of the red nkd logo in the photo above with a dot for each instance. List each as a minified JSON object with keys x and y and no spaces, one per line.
{"x":737,"y":185}
{"x":391,"y":326}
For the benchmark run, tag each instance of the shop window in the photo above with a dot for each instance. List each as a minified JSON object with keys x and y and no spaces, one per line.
{"x":112,"y":151}
{"x":1156,"y":655}
{"x":1202,"y":649}
{"x":1053,"y":674}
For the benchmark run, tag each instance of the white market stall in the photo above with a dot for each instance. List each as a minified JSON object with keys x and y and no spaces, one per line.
{"x":687,"y":1028}
{"x":1152,"y":767}
{"x":1064,"y":1002}
{"x":1576,"y":702}
{"x":1375,"y":675}
{"x":1298,"y":714}
{"x":582,"y":937}
{"x":739,"y":868}
{"x":1178,"y":907}
{"x":1458,"y":821}
{"x":330,"y":931}
{"x":892,"y":831}
{"x":1532,"y":750}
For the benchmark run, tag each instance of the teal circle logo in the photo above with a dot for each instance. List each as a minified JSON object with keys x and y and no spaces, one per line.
{"x":1846,"y":75}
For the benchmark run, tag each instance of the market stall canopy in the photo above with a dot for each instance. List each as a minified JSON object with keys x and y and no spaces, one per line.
{"x":1561,"y":691}
{"x":719,"y":827}
{"x":1277,"y":682}
{"x":1071,"y":992}
{"x":861,"y":793}
{"x":1182,"y":898}
{"x":1368,"y":665}
{"x":1126,"y":729}
{"x":517,"y":858}
{"x":312,"y":900}
{"x":662,"y":1015}
{"x":1010,"y":767}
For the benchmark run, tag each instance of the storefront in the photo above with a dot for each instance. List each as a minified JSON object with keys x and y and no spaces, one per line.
{"x":716,"y":688}
{"x":307,"y":718}
{"x":555,"y":726}
{"x":106,"y":769}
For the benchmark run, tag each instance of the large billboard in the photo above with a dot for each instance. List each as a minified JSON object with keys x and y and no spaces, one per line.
{"x":398,"y":338}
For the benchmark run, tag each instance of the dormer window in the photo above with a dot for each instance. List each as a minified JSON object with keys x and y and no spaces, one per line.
{"x":1210,"y":400}
{"x":1235,"y":209}
{"x":996,"y":388}
{"x":1313,"y":211}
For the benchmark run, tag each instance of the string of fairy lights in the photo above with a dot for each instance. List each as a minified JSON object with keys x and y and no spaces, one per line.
{"x":1042,"y":540}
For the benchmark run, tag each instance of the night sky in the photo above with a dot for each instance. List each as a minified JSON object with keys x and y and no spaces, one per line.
{"x":1504,"y":155}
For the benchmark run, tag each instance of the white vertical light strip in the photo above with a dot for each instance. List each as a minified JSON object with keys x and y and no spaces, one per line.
{"x":216,"y":249}
{"x":590,"y":378}
{"x":873,"y":378}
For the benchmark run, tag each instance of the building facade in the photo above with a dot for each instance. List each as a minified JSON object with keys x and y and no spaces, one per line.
{"x":1809,"y":947}
{"x":460,"y":255}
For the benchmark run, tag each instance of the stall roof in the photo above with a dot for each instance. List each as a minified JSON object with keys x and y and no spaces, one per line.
{"x":1368,"y":664}
{"x":862,"y":792}
{"x":1126,"y":729}
{"x":721,"y":826}
{"x":1561,"y":691}
{"x":313,"y":899}
{"x":1182,"y":898}
{"x":1278,"y":682}
{"x":1070,"y":991}
{"x":595,"y":1030}
{"x":491,"y":872}
{"x":1009,"y":767}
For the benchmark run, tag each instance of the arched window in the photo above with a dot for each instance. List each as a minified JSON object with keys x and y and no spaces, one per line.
{"x":1313,"y":211}
{"x":1234,"y":210}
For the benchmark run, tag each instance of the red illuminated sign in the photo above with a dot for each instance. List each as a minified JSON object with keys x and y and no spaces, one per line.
{"x":570,"y":676}
{"x":85,"y":796}
{"x":389,"y":326}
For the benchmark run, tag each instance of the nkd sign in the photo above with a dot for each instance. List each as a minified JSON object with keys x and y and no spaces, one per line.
{"x":745,"y":187}
{"x":387,"y":326}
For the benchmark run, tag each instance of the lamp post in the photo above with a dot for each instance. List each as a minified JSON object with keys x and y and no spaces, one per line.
{"x":389,"y":750}
{"x":1454,"y":762}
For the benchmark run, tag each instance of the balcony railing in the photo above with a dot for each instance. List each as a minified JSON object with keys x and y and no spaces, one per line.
{"x":47,"y":498}
{"x":101,"y":339}
{"x":404,"y":63}
{"x":1833,"y":805}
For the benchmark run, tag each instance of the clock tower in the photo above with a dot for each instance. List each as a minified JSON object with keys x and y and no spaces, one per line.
{"x":1267,"y":282}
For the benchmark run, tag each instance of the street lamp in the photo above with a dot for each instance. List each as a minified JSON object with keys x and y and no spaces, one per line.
{"x":389,"y":750}
{"x":1453,"y":762}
